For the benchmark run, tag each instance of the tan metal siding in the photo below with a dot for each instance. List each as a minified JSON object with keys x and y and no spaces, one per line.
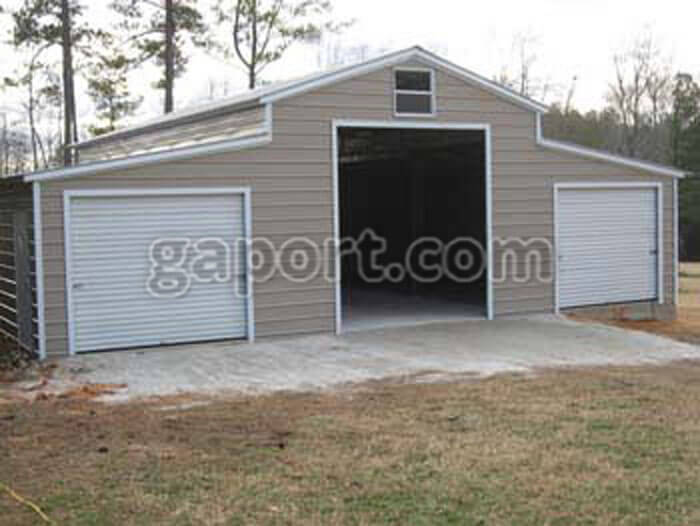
{"x":239,"y":124}
{"x":291,"y":181}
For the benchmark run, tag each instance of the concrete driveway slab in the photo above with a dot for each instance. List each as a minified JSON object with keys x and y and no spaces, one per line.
{"x":316,"y":362}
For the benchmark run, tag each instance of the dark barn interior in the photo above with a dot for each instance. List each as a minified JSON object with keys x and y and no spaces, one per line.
{"x":404,"y":186}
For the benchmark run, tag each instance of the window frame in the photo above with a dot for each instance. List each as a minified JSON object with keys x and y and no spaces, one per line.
{"x":431,"y":93}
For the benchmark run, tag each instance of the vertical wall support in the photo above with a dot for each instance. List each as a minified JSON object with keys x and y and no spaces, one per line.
{"x":676,"y":245}
{"x":39,"y":269}
{"x":23,"y":279}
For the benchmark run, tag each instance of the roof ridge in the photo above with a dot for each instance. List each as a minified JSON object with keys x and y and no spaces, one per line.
{"x":280,"y":90}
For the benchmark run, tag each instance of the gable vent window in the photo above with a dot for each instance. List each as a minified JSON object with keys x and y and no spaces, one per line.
{"x":414,"y":92}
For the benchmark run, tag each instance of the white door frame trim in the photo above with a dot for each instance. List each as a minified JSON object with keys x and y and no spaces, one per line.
{"x":410,"y":125}
{"x":676,"y":248}
{"x":69,"y":194}
{"x":602,"y":186}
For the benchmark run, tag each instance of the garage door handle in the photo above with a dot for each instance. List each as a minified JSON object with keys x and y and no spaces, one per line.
{"x":78,"y":286}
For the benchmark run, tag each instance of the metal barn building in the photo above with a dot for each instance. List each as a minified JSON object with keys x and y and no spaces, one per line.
{"x":404,"y":146}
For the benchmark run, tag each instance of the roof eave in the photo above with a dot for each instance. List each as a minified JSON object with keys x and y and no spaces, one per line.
{"x":127,"y":133}
{"x":324,"y":79}
{"x":136,"y":161}
{"x":485,"y":83}
{"x":612,"y":158}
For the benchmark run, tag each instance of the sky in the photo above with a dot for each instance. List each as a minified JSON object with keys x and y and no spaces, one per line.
{"x":570,"y":38}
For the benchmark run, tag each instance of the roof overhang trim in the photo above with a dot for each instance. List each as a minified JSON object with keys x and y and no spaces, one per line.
{"x":150,"y":159}
{"x":599,"y":155}
{"x":394,"y":59}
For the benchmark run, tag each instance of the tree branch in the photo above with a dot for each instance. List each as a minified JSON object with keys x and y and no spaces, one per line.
{"x":236,"y":30}
{"x":271,"y":25}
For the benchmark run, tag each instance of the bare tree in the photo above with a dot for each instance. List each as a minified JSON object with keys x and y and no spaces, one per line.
{"x":569,"y":103}
{"x":4,"y":147}
{"x":520,"y":77}
{"x":332,"y":53}
{"x":61,"y":24}
{"x":640,"y":95}
{"x":34,"y":79}
{"x":524,"y":44}
{"x":14,"y":144}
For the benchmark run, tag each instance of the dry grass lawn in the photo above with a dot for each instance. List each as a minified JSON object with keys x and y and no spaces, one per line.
{"x":599,"y":446}
{"x":603,"y":446}
{"x":687,"y":327}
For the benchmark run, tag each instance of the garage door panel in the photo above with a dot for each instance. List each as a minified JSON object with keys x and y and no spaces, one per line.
{"x":592,"y":270}
{"x":129,"y":301}
{"x":110,"y":268}
{"x":631,"y":245}
{"x":100,"y":343}
{"x":148,"y":235}
{"x":607,"y":242}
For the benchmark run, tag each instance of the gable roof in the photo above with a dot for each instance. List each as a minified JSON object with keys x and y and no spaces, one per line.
{"x":282,"y":90}
{"x":267,"y":95}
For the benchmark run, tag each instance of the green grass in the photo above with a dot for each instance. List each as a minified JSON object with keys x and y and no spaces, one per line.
{"x":604,"y":446}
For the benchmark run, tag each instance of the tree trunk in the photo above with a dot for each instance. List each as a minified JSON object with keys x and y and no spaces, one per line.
{"x":5,"y":170}
{"x":169,"y":55}
{"x":251,"y":78}
{"x":70,"y":127}
{"x":254,"y":49}
{"x":30,"y":114}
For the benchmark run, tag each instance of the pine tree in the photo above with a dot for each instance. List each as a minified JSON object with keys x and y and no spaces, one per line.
{"x":263,"y":30}
{"x":43,"y":24}
{"x":159,"y":32}
{"x":108,"y":86}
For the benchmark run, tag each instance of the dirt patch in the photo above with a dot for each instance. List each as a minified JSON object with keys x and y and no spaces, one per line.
{"x":88,"y":392}
{"x":16,"y":363}
{"x":611,"y":444}
{"x":686,"y":328}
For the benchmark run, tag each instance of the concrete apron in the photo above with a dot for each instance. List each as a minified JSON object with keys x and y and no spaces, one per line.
{"x":480,"y":348}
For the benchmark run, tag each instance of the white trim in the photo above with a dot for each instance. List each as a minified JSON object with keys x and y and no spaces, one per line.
{"x":408,"y":125}
{"x":336,"y":230}
{"x":596,"y":185}
{"x":676,"y":247}
{"x":324,"y":79}
{"x":393,"y":59}
{"x":660,"y":242}
{"x":250,"y":307}
{"x":269,"y":125}
{"x":432,"y":94}
{"x":603,"y":156}
{"x":538,"y":128}
{"x":69,"y":194}
{"x":68,"y":249}
{"x":125,"y":192}
{"x":405,"y":125}
{"x":151,"y":158}
{"x":274,"y":93}
{"x":39,"y":269}
{"x":555,"y":233}
{"x":482,"y":82}
{"x":490,"y":313}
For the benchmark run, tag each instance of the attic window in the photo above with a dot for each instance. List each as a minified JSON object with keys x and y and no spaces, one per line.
{"x":414,"y":92}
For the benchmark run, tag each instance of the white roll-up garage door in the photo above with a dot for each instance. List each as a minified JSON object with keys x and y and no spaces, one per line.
{"x":607,"y":245}
{"x":112,"y":300}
